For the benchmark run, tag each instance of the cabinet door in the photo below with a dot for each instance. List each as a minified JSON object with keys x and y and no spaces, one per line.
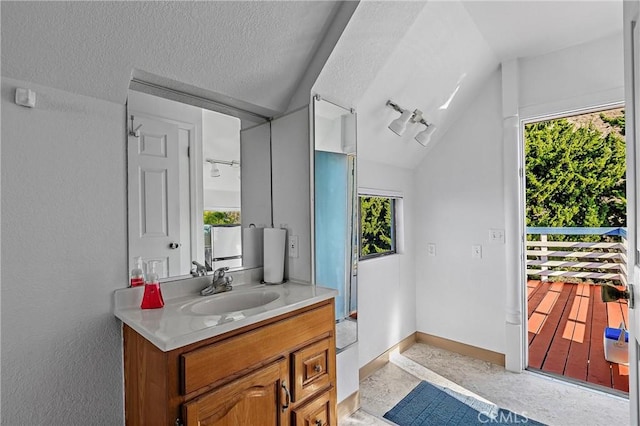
{"x":257,"y":399}
{"x":319,"y":412}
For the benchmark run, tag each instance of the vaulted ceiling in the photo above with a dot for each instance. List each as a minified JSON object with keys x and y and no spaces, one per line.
{"x":433,"y":56}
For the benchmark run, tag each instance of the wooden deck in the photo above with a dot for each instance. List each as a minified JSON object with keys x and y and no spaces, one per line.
{"x":566,"y":327}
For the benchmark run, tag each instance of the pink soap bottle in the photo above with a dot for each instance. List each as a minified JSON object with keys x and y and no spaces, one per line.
{"x":137,"y":274}
{"x":152,"y":297}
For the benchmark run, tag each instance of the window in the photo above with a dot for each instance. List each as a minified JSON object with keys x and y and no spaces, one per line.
{"x":377,"y":226}
{"x":215,"y":217}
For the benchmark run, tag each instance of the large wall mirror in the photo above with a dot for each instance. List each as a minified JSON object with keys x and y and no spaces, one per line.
{"x":188,"y":171}
{"x":335,"y":212}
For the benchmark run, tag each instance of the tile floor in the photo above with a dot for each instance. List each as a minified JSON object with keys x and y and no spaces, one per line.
{"x":547,"y":400}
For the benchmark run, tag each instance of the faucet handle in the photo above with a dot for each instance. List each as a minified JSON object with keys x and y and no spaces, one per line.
{"x":219,"y":273}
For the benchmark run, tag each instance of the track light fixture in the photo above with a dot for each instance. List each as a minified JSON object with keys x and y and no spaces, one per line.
{"x":399,"y":125}
{"x":215,"y":171}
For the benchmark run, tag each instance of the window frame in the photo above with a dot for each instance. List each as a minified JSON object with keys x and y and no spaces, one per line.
{"x":394,"y":225}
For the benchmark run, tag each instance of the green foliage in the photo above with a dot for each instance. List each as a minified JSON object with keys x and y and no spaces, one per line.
{"x":221,"y":218}
{"x":376,"y":217}
{"x":575,"y":175}
{"x":615,"y":121}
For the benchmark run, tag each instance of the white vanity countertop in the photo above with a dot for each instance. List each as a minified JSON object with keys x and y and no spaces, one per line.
{"x":174,"y":325}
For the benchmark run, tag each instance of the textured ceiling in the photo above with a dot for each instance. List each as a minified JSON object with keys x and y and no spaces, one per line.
{"x":374,"y":32}
{"x":252,"y":51}
{"x":433,"y":56}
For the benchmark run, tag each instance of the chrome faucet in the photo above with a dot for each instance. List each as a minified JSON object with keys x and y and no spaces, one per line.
{"x":220,"y":283}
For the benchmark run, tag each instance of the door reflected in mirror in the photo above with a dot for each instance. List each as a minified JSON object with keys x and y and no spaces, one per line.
{"x":184,"y":185}
{"x":335,"y":212}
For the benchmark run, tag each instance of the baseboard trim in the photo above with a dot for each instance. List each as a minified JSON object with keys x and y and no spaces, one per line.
{"x":439,"y":342}
{"x":349,"y":405}
{"x":461,"y":348}
{"x":373,"y":366}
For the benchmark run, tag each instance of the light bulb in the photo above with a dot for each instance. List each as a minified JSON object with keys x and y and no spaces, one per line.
{"x":424,"y":136}
{"x":215,"y":171}
{"x":399,"y":125}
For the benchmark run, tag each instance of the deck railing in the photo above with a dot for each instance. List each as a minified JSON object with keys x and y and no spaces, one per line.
{"x":601,"y":261}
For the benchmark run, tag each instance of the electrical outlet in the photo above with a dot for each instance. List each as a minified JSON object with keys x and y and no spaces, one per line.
{"x":293,"y":246}
{"x":431,"y":250}
{"x":476,"y":251}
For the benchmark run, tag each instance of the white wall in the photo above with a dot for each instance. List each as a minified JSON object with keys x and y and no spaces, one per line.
{"x":255,"y":156}
{"x":347,"y":374}
{"x":386,"y":285}
{"x":64,"y":253}
{"x":460,"y":191}
{"x":587,"y":75}
{"x":291,"y":187}
{"x":328,"y":134}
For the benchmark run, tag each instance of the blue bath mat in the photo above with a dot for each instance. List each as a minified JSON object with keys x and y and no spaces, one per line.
{"x":429,"y":405}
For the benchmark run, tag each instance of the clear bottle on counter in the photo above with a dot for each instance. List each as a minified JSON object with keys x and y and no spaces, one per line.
{"x":137,"y":274}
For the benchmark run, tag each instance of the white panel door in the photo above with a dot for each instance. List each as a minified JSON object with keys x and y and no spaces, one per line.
{"x":154,"y":208}
{"x":632,"y":111}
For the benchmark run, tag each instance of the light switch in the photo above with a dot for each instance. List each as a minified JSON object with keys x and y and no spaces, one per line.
{"x":431,"y":250}
{"x":476,"y":251}
{"x":496,"y":235}
{"x":25,"y":97}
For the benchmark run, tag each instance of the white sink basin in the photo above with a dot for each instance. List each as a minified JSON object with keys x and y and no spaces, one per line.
{"x":231,"y":302}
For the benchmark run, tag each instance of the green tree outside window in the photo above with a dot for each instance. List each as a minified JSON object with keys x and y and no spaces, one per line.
{"x":377,"y":226}
{"x":575,"y":171}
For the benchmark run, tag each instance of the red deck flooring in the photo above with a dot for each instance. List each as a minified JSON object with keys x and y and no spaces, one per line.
{"x":566,"y":327}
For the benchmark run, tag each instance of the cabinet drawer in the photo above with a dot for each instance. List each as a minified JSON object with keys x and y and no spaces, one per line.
{"x":318,"y":412}
{"x":311,"y":367}
{"x":210,"y":364}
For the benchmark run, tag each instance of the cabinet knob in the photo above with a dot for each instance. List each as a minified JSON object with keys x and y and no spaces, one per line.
{"x":319,"y":422}
{"x":317,"y":368}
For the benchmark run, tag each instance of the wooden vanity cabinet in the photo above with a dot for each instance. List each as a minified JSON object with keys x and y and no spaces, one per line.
{"x":281,"y":371}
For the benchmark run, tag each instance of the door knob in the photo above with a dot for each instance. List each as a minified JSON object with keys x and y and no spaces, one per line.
{"x":174,"y":246}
